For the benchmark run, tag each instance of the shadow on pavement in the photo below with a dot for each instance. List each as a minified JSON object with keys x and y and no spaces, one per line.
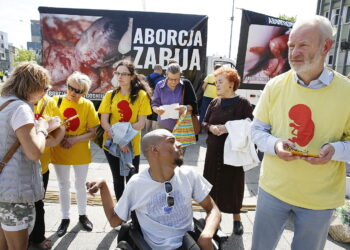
{"x":67,"y":239}
{"x":108,"y":239}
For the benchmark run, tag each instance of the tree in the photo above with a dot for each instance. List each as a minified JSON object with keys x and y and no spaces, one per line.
{"x":288,"y":18}
{"x":23,"y":55}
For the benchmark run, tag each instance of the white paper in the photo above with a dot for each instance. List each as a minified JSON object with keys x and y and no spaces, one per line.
{"x":170,"y":112}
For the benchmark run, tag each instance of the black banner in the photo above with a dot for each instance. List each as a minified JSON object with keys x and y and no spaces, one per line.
{"x":263,"y":49}
{"x":92,"y":41}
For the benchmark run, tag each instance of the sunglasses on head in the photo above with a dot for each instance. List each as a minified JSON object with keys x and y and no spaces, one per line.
{"x":77,"y":91}
{"x":169,"y":198}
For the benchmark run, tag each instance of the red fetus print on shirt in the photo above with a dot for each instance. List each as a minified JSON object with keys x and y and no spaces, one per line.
{"x":73,"y":125}
{"x":303,"y":126}
{"x":124,"y":110}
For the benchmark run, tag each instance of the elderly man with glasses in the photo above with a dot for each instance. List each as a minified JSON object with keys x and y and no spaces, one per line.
{"x":164,"y":206}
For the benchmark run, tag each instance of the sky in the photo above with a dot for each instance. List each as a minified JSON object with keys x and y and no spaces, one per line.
{"x":16,"y":15}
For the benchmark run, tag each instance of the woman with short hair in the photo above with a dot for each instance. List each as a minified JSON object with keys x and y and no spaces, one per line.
{"x":227,"y":181}
{"x":74,"y":150}
{"x":20,"y":179}
{"x":173,"y":89}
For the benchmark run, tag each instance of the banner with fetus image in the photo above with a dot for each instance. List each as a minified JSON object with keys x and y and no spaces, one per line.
{"x":263,"y":49}
{"x":92,"y":41}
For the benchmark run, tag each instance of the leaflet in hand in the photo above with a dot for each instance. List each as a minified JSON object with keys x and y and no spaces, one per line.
{"x":170,"y":112}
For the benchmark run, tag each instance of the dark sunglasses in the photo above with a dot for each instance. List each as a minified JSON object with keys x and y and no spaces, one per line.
{"x":77,"y":91}
{"x":169,"y":198}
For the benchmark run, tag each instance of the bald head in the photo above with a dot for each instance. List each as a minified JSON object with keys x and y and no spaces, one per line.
{"x":152,"y":138}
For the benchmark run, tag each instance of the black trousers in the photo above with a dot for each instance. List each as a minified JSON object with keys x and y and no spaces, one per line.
{"x":38,"y":234}
{"x":118,"y":180}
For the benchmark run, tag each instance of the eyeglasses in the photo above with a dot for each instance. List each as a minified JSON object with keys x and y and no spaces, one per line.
{"x":169,"y":198}
{"x":77,"y":91}
{"x":121,"y":74}
{"x":173,"y":79}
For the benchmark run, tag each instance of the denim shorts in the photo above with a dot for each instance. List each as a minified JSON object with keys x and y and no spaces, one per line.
{"x":17,"y":216}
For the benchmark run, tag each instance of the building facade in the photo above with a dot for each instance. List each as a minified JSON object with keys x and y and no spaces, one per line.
{"x":4,"y":52}
{"x":338,"y":12}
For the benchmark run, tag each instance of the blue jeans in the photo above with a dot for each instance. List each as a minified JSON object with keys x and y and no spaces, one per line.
{"x":310,"y":226}
{"x":204,"y":107}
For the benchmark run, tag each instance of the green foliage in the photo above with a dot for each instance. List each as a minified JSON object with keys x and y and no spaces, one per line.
{"x":23,"y":55}
{"x":288,"y":18}
{"x":344,"y":214}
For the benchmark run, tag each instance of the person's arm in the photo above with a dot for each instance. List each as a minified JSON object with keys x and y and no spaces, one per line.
{"x":267,"y":143}
{"x":70,"y":141}
{"x":32,"y":140}
{"x":212,"y":222}
{"x":140,"y":124}
{"x":107,"y":201}
{"x":55,"y":137}
{"x":204,"y":85}
{"x":342,"y":151}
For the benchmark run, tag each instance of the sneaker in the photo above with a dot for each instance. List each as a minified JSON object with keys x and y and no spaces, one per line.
{"x":85,"y":222}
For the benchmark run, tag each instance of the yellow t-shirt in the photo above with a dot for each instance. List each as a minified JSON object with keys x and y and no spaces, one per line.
{"x":51,"y":110}
{"x":310,"y":118}
{"x":210,"y":90}
{"x":80,"y":152}
{"x":122,"y":110}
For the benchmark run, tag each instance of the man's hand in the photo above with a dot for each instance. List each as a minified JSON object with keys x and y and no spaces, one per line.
{"x":325,"y":155}
{"x":281,"y":152}
{"x":93,"y":186}
{"x":204,"y":241}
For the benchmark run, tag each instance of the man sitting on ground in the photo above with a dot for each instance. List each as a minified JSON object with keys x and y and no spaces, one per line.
{"x":161,"y":196}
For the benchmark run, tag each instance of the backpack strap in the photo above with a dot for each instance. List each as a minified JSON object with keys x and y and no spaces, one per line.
{"x":113,"y":94}
{"x":59,"y":101}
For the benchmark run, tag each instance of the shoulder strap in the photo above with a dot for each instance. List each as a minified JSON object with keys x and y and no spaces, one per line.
{"x":59,"y":101}
{"x":183,"y":93}
{"x":113,"y":94}
{"x":13,"y":148}
{"x":43,"y":107}
{"x":6,"y":103}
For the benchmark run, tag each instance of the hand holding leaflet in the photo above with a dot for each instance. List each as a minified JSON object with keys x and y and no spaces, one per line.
{"x":170,"y":111}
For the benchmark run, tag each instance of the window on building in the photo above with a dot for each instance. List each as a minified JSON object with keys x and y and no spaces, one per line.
{"x":336,"y":17}
{"x":347,"y":17}
{"x":2,"y":45}
{"x":2,"y":37}
{"x":330,"y":60}
{"x":326,"y":14}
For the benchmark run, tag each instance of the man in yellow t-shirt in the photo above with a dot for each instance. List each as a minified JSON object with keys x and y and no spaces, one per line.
{"x":302,"y":123}
{"x":209,"y":93}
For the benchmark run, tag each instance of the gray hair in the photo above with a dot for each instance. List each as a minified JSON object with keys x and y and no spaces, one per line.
{"x":321,"y":22}
{"x":83,"y":81}
{"x":157,"y":67}
{"x":173,"y":68}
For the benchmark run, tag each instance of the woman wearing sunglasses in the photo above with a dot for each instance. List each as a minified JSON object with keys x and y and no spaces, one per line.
{"x":130,"y":103}
{"x":74,"y":149}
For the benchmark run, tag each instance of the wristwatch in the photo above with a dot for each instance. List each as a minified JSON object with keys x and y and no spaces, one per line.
{"x":44,"y":131}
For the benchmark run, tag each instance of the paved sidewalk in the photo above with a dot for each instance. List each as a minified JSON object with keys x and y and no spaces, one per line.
{"x":104,"y":237}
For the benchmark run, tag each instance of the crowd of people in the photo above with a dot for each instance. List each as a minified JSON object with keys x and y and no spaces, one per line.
{"x":295,"y":124}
